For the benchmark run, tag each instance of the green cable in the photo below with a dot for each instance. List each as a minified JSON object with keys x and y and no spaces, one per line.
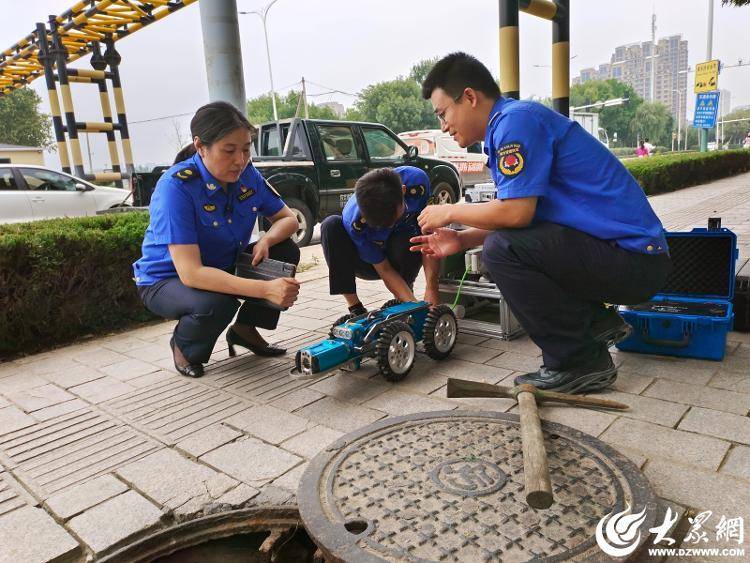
{"x":458,"y":292}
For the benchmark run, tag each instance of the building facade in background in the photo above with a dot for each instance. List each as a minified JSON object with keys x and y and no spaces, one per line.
{"x":631,"y":64}
{"x":725,"y":102}
{"x":335,"y":107}
{"x":18,"y":154}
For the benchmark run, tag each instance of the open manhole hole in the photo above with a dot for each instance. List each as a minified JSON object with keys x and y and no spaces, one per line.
{"x":248,"y":536}
{"x":449,"y":486}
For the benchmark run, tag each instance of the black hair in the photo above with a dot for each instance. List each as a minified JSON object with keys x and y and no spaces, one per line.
{"x":212,"y":122}
{"x":458,"y":71}
{"x":379,"y":195}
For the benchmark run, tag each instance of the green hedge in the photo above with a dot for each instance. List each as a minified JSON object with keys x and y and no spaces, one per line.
{"x":65,"y":278}
{"x":670,"y":172}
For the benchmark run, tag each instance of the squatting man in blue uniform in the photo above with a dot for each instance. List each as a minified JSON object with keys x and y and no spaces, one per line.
{"x":570,"y":229}
{"x":370,"y":240}
{"x":202,"y":215}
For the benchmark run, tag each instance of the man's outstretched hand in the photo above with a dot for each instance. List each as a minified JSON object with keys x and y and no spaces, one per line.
{"x":441,"y":243}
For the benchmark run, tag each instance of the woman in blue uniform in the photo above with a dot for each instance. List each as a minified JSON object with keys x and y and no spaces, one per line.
{"x":202,"y":215}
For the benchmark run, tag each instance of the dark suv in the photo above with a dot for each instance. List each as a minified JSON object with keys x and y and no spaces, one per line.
{"x":317,"y":163}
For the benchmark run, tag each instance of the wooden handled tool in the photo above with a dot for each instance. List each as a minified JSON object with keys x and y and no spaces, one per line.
{"x":535,"y":467}
{"x":461,"y":388}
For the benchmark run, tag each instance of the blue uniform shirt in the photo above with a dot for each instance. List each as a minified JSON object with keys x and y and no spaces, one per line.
{"x":535,"y":151}
{"x":189,"y":206}
{"x":370,"y":242}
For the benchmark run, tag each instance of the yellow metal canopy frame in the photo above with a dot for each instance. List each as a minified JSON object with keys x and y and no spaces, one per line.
{"x":79,"y":27}
{"x":65,"y":38}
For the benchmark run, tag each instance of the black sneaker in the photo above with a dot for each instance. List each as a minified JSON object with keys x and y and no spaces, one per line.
{"x":594,"y":375}
{"x":611,"y":328}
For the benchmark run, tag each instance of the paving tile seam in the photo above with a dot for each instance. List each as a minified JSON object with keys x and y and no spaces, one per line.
{"x":46,"y":425}
{"x":56,"y":443}
{"x":174,"y":436}
{"x":49,"y":474}
{"x":101,"y":440}
{"x":149,"y":448}
{"x":181,"y":405}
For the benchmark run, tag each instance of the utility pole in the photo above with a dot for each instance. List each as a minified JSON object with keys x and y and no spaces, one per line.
{"x":304,"y":97}
{"x":222,"y":53}
{"x":263,"y":14}
{"x":709,"y":54}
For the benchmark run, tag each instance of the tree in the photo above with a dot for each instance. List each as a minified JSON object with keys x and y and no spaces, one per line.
{"x":420,"y":70}
{"x":21,"y":123}
{"x":397,"y":104}
{"x":615,"y":119}
{"x":734,"y":133}
{"x":654,"y":122}
{"x":735,"y":2}
{"x":260,"y":109}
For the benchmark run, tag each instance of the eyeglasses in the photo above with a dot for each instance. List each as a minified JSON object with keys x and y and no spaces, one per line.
{"x":441,"y":115}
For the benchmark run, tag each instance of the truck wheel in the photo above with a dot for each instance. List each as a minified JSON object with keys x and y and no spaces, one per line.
{"x":305,"y":218}
{"x":339,"y":321}
{"x":443,"y":193}
{"x":395,"y":351}
{"x":440,"y":332}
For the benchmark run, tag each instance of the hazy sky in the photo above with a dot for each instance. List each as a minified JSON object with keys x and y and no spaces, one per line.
{"x":347,"y":45}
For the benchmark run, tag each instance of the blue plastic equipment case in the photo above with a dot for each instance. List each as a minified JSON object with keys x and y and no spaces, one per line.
{"x":693,"y":313}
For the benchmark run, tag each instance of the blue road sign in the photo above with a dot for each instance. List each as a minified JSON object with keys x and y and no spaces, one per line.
{"x":706,"y":108}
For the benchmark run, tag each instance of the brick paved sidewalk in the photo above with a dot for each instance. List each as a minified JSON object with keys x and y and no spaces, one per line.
{"x":101,"y":442}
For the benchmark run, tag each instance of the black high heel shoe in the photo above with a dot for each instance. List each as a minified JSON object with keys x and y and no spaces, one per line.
{"x":268,"y":350}
{"x":190,"y":370}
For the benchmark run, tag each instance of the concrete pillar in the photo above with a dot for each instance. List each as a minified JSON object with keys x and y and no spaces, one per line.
{"x":222,"y":51}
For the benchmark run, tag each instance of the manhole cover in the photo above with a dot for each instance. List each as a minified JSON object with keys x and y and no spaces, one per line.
{"x":449,"y":486}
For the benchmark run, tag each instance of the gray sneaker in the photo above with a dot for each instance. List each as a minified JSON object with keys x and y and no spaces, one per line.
{"x":594,"y":375}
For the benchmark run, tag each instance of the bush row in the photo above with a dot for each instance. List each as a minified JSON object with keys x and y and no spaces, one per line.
{"x":660,"y":174}
{"x":65,"y":278}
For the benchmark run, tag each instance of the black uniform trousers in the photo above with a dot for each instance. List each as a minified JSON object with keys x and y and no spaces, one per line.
{"x":557,"y":279}
{"x":203,"y":315}
{"x":345,"y":265}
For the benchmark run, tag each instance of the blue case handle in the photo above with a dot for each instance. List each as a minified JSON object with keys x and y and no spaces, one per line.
{"x":684,"y":343}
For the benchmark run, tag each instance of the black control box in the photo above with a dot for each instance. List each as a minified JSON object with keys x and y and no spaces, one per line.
{"x":267,"y":270}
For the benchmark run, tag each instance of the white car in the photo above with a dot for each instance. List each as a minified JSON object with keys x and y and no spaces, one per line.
{"x":471,"y":161}
{"x":28,"y":193}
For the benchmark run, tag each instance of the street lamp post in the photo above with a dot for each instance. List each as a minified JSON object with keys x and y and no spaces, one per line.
{"x":679,"y":117}
{"x":263,"y":13}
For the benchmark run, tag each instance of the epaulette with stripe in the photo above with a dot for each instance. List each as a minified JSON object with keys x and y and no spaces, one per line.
{"x":415,"y":191}
{"x":187,"y":173}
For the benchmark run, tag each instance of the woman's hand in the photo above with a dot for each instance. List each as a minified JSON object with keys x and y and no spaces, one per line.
{"x":282,"y":291}
{"x":260,"y":251}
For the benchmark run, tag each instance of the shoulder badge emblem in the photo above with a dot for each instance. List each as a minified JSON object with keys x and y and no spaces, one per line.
{"x":510,"y":161}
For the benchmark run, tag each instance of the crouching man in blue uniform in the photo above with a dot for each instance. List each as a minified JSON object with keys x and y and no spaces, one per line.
{"x":370,"y":240}
{"x":202,"y":215}
{"x":570,"y":229}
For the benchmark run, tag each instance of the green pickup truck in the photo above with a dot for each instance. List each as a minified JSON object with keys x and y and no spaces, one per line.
{"x":314,"y":164}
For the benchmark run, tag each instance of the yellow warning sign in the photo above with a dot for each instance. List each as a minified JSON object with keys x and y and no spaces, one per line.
{"x":707,"y":76}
